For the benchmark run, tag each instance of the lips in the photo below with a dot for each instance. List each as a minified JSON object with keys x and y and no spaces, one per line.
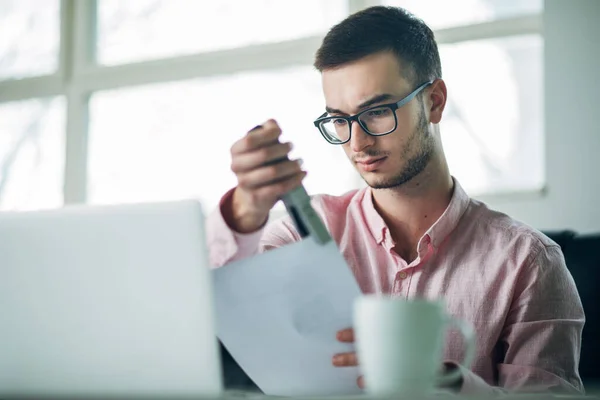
{"x":370,"y":164}
{"x":369,"y":161}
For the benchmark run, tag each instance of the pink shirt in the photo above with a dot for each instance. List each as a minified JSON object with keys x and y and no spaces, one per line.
{"x":505,"y":278}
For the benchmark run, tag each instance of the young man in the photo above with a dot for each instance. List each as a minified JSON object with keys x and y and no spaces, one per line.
{"x":413,"y":232}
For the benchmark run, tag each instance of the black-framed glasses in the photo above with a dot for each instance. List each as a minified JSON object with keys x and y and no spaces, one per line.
{"x":376,"y":121}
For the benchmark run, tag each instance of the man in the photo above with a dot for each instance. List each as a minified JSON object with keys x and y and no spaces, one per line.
{"x":413,"y":232}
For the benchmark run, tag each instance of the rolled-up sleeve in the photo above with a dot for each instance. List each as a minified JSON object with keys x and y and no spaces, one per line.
{"x":225,"y":245}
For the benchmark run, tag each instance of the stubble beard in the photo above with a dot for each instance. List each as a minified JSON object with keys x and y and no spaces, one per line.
{"x":416,"y":163}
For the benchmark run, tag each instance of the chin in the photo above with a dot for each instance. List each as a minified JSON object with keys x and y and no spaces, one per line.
{"x":379,"y":181}
{"x":382,"y":185}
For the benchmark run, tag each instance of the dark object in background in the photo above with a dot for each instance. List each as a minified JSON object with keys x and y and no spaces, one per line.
{"x":582,"y":256}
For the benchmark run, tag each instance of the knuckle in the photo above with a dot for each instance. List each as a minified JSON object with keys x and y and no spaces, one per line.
{"x":285,"y":148}
{"x":248,"y":141}
{"x":272,"y":172}
{"x":295,"y":181}
{"x":293,"y":166}
{"x":264,"y":153}
{"x":274,"y":126}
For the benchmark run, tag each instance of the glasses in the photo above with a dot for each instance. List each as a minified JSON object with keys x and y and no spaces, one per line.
{"x":375,"y":121}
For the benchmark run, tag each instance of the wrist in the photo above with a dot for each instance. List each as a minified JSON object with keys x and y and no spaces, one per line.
{"x":239,"y":217}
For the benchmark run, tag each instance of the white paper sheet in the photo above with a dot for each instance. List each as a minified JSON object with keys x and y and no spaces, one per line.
{"x":278,"y":314}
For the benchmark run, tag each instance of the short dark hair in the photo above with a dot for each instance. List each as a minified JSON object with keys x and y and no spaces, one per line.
{"x":378,"y":29}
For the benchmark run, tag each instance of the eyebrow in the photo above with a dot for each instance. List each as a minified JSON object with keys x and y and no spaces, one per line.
{"x":374,"y":100}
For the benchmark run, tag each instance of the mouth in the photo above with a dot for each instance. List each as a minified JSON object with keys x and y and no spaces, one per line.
{"x":370,"y":164}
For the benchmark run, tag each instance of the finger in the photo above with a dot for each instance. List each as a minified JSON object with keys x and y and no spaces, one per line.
{"x":267,"y":175}
{"x":361,"y":382}
{"x":346,"y":335}
{"x":251,"y":160}
{"x":345,"y":360}
{"x":258,"y":137}
{"x":276,"y":190}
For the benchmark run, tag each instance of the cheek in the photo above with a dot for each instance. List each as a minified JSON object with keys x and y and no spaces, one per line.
{"x":399,"y":145}
{"x":397,"y":141}
{"x":406,"y":125}
{"x":406,"y":133}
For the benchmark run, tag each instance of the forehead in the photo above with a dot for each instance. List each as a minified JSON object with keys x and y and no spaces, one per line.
{"x":349,"y":85}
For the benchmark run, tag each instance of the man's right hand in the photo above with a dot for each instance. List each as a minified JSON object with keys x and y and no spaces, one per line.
{"x":264,"y":173}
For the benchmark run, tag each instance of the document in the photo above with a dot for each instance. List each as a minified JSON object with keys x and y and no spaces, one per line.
{"x":278,"y":314}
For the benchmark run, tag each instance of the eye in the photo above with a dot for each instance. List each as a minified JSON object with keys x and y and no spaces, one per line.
{"x":338,"y":121}
{"x":379,"y":112}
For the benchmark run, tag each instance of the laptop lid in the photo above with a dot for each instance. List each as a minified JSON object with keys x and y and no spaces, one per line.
{"x":107,"y":300}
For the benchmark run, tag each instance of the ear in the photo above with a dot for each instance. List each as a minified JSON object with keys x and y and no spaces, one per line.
{"x":436,"y":101}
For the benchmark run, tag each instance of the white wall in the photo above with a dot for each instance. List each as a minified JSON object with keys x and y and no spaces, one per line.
{"x":572,"y":123}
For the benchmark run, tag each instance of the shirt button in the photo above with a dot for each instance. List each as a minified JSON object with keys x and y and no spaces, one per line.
{"x":402,"y":275}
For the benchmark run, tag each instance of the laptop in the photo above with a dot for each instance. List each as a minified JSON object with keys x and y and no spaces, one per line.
{"x":107,"y":301}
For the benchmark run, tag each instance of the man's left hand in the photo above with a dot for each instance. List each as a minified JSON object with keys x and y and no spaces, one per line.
{"x":351,"y":360}
{"x":347,"y":359}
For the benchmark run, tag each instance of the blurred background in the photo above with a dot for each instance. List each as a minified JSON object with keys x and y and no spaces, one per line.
{"x":113,"y":101}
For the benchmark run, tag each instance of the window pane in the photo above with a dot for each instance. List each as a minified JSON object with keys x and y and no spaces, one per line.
{"x":29,"y":37}
{"x":444,"y":14}
{"x":32,"y":154}
{"x":136,"y":30}
{"x":170,"y":141}
{"x":493,"y":122}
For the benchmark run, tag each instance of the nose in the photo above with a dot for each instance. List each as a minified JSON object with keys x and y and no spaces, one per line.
{"x":360,"y":139}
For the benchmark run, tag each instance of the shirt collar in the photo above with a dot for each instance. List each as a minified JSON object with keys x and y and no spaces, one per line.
{"x":373,"y":220}
{"x":436,"y":233}
{"x":451,"y":216}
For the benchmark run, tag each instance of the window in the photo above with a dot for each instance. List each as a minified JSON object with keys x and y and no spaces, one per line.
{"x":140,"y":100}
{"x":171,"y":140}
{"x":29,"y":38}
{"x":493,"y":139}
{"x":31,"y":153}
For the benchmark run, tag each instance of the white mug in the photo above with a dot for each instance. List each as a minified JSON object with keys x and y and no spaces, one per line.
{"x":399,"y":344}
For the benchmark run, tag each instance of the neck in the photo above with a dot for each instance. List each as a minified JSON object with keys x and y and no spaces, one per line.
{"x":412,"y":208}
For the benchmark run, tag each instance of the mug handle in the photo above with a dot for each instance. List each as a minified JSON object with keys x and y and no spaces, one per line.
{"x":469,"y":339}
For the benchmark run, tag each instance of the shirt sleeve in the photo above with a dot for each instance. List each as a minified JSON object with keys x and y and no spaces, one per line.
{"x":542,"y":334}
{"x":226,"y":245}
